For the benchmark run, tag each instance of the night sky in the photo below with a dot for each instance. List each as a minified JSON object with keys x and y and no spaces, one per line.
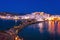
{"x":28,"y":6}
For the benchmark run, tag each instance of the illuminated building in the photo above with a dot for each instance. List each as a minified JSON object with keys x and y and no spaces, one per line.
{"x":38,"y":16}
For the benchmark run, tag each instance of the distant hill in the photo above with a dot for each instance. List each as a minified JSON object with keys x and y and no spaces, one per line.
{"x":11,"y":13}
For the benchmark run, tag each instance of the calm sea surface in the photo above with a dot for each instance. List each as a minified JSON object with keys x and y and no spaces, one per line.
{"x":48,"y":30}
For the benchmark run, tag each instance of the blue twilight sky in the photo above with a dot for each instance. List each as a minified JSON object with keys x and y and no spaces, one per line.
{"x":28,"y":6}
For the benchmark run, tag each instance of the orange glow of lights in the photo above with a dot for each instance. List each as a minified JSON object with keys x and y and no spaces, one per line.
{"x":17,"y":38}
{"x":58,"y":28}
{"x":58,"y":18}
{"x":55,"y":18}
{"x":51,"y":27}
{"x":50,"y":18}
{"x":3,"y":17}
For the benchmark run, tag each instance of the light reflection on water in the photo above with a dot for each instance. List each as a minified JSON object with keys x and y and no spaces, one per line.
{"x":58,"y":28}
{"x":40,"y":27}
{"x":51,"y":27}
{"x":48,"y":30}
